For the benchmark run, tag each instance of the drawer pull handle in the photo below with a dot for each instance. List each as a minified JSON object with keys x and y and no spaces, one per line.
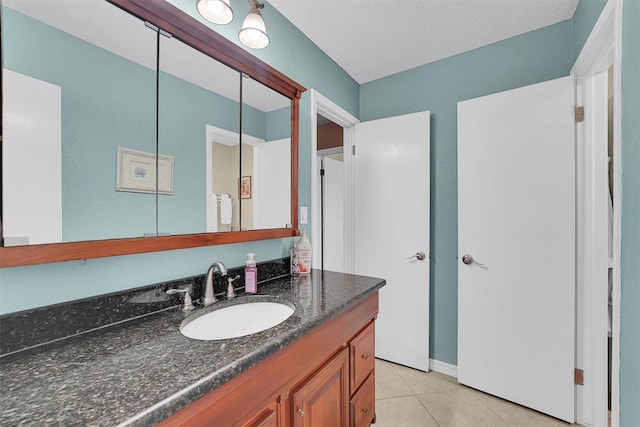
{"x":365,"y":410}
{"x":301,"y":412}
{"x":365,"y":356}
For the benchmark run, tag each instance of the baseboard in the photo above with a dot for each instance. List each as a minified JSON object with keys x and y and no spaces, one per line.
{"x":443,"y":368}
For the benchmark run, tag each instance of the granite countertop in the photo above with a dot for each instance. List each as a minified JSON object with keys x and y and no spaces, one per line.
{"x":143,"y":370}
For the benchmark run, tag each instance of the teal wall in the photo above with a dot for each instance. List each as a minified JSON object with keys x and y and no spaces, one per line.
{"x":278,"y":124}
{"x":630,"y":302}
{"x":523,"y":60}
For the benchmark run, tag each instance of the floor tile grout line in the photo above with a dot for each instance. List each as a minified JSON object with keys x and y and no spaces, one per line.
{"x":475,"y":393}
{"x":427,"y":409}
{"x":394,"y":397}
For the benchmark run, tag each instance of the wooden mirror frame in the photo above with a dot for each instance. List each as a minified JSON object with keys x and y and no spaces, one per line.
{"x":197,"y":35}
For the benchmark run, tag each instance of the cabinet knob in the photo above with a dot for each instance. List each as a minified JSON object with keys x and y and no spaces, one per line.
{"x":365,"y":410}
{"x":301,"y":412}
{"x":365,"y":356}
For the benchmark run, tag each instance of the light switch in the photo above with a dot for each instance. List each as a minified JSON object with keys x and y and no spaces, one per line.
{"x":303,"y":215}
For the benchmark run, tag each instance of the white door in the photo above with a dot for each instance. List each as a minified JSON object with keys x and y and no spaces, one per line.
{"x":32,"y":202}
{"x":272,"y":184}
{"x":333,"y":214}
{"x":392,"y":224}
{"x":516,"y":219}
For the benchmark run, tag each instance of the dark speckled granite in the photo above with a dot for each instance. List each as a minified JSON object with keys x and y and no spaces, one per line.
{"x":44,"y":324}
{"x":139,"y":372}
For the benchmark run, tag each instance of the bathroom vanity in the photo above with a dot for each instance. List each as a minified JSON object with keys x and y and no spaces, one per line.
{"x":314,"y":369}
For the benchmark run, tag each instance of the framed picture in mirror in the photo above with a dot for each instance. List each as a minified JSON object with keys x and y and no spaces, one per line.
{"x":245,"y":187}
{"x":136,"y":172}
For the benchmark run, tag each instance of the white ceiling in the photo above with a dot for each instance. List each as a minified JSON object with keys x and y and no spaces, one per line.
{"x":371,"y":39}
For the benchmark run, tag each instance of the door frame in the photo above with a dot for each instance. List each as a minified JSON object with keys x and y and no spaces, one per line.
{"x":602,"y":49}
{"x":332,"y":111}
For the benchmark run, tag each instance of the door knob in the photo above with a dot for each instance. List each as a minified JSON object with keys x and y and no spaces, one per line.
{"x":420,"y":255}
{"x":468,"y":260}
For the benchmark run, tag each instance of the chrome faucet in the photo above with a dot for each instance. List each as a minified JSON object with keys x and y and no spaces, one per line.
{"x":209,"y":297}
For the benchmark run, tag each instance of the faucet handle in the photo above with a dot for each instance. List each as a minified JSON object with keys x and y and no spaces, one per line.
{"x":230,"y":291}
{"x":188,"y":304}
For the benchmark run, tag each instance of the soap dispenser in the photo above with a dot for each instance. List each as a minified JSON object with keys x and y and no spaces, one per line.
{"x":304,"y":254}
{"x":251,"y":275}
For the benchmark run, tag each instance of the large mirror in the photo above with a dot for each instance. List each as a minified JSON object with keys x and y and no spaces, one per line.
{"x":124,"y":131}
{"x":78,"y":122}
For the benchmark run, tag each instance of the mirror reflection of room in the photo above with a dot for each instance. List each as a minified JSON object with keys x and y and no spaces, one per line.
{"x":75,"y":91}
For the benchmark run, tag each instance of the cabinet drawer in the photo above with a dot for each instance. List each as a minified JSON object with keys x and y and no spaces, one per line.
{"x":362,"y":406}
{"x":362,"y":357}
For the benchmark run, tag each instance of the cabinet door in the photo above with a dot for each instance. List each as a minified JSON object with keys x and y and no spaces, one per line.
{"x":323,"y":400}
{"x":267,"y":417}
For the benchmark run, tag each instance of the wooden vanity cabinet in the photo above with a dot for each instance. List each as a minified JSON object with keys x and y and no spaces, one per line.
{"x":325,"y":378}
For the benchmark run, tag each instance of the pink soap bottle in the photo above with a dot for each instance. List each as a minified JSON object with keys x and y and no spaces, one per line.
{"x":250,"y":275}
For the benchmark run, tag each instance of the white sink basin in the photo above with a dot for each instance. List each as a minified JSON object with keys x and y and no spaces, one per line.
{"x":236,"y":320}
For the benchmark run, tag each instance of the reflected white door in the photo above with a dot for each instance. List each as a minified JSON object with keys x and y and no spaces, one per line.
{"x":272,"y":184}
{"x":516,"y":219}
{"x":392,"y":224}
{"x":32,"y":202}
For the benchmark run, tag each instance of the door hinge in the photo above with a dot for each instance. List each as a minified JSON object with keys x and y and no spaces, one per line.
{"x":578,"y":376}
{"x":353,"y":150}
{"x":579,"y":114}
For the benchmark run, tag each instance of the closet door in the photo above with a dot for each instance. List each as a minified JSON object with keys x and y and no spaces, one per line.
{"x":516,"y":246}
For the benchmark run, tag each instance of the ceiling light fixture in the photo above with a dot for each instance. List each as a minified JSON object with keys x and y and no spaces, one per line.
{"x":216,"y":11}
{"x":254,"y":33}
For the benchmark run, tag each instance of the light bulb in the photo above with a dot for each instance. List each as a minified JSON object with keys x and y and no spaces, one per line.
{"x":254,"y":32}
{"x":216,"y":11}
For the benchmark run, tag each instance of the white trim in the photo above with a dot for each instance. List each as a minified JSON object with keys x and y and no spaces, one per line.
{"x":443,"y":368}
{"x":617,"y":213}
{"x":602,"y":49}
{"x":226,"y":137}
{"x":230,"y":138}
{"x":593,"y":254}
{"x":327,"y":108}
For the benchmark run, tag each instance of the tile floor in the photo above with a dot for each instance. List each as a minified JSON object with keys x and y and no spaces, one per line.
{"x":411,"y":398}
